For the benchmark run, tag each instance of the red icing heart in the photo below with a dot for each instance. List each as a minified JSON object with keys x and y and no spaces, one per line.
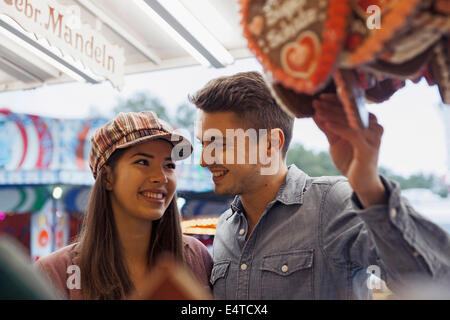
{"x":300,"y":57}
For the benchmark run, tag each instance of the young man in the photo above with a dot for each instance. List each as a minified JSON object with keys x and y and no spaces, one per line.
{"x":291,"y":236}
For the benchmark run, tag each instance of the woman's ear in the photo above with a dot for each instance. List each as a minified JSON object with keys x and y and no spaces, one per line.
{"x":109,"y":177}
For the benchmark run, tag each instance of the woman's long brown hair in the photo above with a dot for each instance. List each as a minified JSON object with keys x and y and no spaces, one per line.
{"x":104,"y":274}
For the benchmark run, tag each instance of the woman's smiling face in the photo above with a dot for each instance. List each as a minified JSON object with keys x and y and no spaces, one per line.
{"x":142,"y":182}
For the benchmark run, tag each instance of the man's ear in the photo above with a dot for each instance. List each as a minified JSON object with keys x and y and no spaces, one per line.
{"x":109,"y":177}
{"x":275,"y":140}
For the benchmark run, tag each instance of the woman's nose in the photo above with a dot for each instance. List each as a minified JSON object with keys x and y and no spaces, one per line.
{"x":158,"y":176}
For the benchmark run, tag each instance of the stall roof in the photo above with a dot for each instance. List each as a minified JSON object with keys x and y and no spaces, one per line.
{"x":154,"y":35}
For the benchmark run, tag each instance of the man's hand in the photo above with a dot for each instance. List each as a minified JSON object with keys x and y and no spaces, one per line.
{"x":354,"y":152}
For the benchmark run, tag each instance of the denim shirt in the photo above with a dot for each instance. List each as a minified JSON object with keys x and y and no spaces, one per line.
{"x":315,"y":241}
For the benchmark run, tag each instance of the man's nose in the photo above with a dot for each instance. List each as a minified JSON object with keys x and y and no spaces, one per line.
{"x":202,"y":160}
{"x":209,"y":159}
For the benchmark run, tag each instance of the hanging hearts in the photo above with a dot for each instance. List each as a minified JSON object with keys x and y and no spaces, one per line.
{"x":360,"y":49}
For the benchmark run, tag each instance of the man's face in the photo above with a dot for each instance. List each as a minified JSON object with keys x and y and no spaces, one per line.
{"x":228,"y":153}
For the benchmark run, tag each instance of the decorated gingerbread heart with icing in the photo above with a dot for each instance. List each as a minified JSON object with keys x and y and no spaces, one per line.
{"x":363,"y":7}
{"x":375,"y":23}
{"x":440,"y":68}
{"x":297,"y":41}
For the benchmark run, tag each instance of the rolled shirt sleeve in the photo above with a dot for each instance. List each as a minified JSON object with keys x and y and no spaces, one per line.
{"x":394,"y":237}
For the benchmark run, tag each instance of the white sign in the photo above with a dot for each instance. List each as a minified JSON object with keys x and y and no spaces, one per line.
{"x":61,"y":27}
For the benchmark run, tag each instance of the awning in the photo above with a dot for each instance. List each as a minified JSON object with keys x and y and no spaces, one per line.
{"x":51,"y":41}
{"x":38,"y":150}
{"x":23,"y":199}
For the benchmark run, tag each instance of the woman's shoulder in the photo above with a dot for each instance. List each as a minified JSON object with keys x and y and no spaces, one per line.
{"x":60,"y":257}
{"x":194,"y":244}
{"x":54,"y":266}
{"x":197,"y":257}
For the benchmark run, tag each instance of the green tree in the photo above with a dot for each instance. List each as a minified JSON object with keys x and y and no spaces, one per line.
{"x":321,"y":164}
{"x":417,"y":180}
{"x":314,"y":164}
{"x":185,"y":116}
{"x":142,"y":101}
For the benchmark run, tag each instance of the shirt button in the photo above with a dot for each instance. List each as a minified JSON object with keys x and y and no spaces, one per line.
{"x":393,"y":213}
{"x":284,"y":268}
{"x":243,"y":267}
{"x":415,"y":254}
{"x":241,"y":232}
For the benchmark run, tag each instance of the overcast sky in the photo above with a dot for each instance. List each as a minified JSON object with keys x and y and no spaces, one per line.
{"x":414,"y":138}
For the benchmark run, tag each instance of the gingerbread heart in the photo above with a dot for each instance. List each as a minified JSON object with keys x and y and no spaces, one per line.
{"x":384,"y":20}
{"x":383,"y":90}
{"x":442,"y":6}
{"x":425,"y":31}
{"x":362,"y":7}
{"x":407,"y":70}
{"x":297,"y":41}
{"x":298,"y":105}
{"x":440,"y":68}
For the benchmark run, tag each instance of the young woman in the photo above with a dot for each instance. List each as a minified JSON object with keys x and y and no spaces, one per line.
{"x":132,"y":215}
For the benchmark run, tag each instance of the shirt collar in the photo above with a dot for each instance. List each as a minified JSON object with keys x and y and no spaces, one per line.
{"x":236,"y":204}
{"x":293,"y":187}
{"x":291,"y":190}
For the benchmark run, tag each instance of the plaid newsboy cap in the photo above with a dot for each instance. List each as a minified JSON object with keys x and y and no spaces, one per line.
{"x":131,"y":128}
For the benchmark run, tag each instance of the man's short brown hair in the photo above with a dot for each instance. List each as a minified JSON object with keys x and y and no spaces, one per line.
{"x":247,"y":95}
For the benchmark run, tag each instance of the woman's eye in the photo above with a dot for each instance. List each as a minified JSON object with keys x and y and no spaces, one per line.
{"x":142,"y":161}
{"x":171,"y":165}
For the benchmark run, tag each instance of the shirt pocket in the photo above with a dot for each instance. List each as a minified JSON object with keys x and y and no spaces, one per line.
{"x":218,"y":279}
{"x":287,"y":275}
